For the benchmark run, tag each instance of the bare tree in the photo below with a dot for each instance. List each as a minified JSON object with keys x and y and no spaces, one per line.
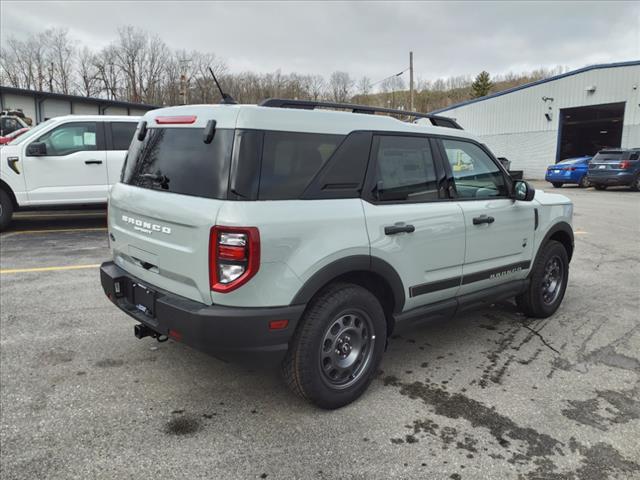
{"x":364,"y":86}
{"x":61,"y":57}
{"x":340,"y":85}
{"x":88,"y":83}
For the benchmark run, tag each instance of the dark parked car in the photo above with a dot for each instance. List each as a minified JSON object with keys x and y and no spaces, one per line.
{"x":619,"y":167}
{"x":571,"y":170}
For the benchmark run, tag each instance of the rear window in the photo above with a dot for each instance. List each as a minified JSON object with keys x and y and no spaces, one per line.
{"x":177,"y":160}
{"x":604,"y":156}
{"x":291,"y":160}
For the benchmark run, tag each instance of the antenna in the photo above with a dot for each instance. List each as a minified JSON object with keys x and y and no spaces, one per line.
{"x":226,"y":98}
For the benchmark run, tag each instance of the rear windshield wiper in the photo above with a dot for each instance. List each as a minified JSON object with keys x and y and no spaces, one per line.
{"x":163,"y":180}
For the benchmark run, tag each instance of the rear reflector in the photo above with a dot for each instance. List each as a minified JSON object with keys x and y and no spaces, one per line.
{"x":180,"y":119}
{"x":278,"y":324}
{"x":625,"y":164}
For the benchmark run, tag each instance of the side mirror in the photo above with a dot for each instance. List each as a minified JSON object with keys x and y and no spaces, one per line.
{"x":523,"y":191}
{"x":37,"y":149}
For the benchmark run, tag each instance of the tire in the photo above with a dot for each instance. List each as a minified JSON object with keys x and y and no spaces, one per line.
{"x":635,"y":185}
{"x":6,"y":210}
{"x":543,"y":297}
{"x":584,"y":182}
{"x":557,"y":184}
{"x":599,"y":186}
{"x":343,"y":326}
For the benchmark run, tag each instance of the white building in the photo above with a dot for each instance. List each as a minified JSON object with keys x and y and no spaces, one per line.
{"x":540,"y":123}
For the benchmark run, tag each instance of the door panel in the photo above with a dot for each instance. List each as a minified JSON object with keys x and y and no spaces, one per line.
{"x":500,"y":251}
{"x":409,"y":224}
{"x":429,"y":260}
{"x":499,"y":230}
{"x":73,"y":170}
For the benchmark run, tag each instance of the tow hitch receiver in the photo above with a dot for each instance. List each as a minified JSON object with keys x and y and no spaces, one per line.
{"x":141,"y":331}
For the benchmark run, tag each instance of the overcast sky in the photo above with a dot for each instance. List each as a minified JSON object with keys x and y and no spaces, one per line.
{"x":361,"y":38}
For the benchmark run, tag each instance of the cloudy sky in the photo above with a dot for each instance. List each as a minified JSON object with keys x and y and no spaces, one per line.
{"x":373,"y":39}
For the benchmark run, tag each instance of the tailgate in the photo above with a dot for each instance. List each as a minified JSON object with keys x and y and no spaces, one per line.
{"x":163,"y":238}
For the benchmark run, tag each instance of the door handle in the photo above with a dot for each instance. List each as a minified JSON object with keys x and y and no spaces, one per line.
{"x":93,"y":162}
{"x":483,"y":219}
{"x":393,"y":229}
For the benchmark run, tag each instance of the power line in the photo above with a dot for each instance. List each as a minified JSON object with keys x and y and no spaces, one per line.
{"x":390,"y":76}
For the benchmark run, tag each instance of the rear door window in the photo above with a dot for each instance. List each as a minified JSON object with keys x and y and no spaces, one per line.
{"x":291,"y":160}
{"x":177,"y":160}
{"x":122,"y":134}
{"x":405,"y":169}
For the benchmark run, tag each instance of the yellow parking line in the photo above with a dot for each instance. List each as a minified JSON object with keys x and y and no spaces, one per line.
{"x":48,"y":269}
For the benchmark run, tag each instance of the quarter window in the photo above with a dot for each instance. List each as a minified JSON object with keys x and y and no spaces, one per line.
{"x":475,"y":174}
{"x":291,"y":160}
{"x":405,"y":169}
{"x":70,"y":138}
{"x":122,"y":134}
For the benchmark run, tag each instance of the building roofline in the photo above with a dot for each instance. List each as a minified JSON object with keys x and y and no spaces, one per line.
{"x":539,"y":82}
{"x":79,"y":98}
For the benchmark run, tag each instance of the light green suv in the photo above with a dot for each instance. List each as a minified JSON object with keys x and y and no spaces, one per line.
{"x":308,"y":234}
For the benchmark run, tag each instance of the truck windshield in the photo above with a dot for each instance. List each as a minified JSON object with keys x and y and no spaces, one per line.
{"x":177,"y":160}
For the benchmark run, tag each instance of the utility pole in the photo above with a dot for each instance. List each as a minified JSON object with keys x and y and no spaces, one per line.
{"x":183,"y":81}
{"x":411,"y":81}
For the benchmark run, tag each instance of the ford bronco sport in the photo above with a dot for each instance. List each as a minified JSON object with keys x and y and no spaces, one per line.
{"x":311,"y":234}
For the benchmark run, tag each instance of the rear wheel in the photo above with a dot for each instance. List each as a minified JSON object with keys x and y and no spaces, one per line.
{"x":6,"y":210}
{"x":337,"y":347}
{"x":635,"y":185}
{"x":584,"y":182}
{"x":557,"y":184}
{"x":600,"y":186}
{"x":548,"y":283}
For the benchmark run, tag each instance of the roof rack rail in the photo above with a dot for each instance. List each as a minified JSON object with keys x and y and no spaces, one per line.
{"x":436,"y":120}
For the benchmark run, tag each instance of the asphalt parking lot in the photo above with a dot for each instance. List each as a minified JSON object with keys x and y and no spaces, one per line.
{"x":487,"y":395}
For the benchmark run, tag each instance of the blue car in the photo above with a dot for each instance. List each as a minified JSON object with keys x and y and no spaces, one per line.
{"x":571,"y":170}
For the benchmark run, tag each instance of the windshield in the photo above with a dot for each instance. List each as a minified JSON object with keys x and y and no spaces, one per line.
{"x":35,"y":130}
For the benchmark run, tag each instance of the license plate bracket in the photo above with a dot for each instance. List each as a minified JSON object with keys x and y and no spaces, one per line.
{"x":144,"y":299}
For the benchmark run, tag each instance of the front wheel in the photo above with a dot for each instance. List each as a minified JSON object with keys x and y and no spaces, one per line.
{"x":337,"y":347}
{"x":557,"y":184}
{"x":549,"y":276}
{"x":6,"y":210}
{"x":584,"y":182}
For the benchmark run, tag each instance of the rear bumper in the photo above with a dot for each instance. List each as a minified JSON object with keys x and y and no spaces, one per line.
{"x":230,"y":333}
{"x":611,"y":179}
{"x":563,"y":178}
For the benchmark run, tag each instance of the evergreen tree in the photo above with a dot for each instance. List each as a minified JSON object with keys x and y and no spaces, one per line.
{"x":481,"y":86}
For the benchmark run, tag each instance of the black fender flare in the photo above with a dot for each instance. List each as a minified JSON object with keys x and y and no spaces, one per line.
{"x":563,"y":227}
{"x":352,"y":264}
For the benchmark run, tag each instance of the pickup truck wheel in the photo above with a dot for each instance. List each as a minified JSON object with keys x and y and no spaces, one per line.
{"x":548,"y":282}
{"x":557,"y":184}
{"x":338,"y":346}
{"x":6,"y":210}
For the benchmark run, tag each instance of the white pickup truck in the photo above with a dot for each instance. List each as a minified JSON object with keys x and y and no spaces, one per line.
{"x":69,"y":160}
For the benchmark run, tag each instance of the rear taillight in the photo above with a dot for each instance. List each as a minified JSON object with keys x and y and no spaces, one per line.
{"x":234,"y":257}
{"x":625,"y":164}
{"x":571,"y":169}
